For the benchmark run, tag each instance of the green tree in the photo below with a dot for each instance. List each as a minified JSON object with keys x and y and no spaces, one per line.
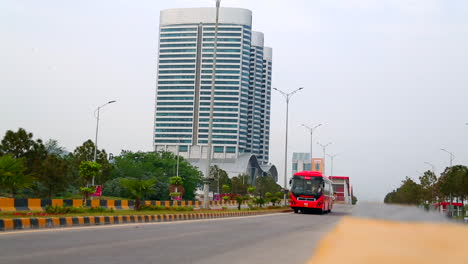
{"x":85,"y":152}
{"x":12,"y":174}
{"x":453,"y":183}
{"x":138,"y":189}
{"x":226,"y":188}
{"x":266,"y":184}
{"x":354,"y":200}
{"x":240,"y":184}
{"x":53,"y":147}
{"x":408,"y":193}
{"x":428,"y":184}
{"x":89,"y":170}
{"x":176,"y":180}
{"x":158,"y":165}
{"x":21,"y":144}
{"x":220,"y":177}
{"x":54,"y":176}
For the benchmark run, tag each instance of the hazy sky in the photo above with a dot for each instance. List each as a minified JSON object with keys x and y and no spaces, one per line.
{"x":387,"y":78}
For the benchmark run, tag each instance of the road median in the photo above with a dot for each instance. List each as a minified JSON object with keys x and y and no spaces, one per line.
{"x":27,"y":223}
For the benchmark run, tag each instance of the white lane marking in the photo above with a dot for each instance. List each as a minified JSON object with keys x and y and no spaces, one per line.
{"x":57,"y":229}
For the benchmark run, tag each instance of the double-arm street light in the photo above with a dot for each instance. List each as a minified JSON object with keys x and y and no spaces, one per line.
{"x":311,"y":129}
{"x":286,"y":96}
{"x":97,"y":129}
{"x":207,"y":179}
{"x":452,"y":157}
{"x":324,"y":148}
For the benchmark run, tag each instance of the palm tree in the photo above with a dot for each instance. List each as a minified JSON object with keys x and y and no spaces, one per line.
{"x":138,"y":188}
{"x":12,"y":174}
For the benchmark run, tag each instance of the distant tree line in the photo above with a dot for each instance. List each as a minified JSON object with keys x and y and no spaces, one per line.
{"x":452,"y":185}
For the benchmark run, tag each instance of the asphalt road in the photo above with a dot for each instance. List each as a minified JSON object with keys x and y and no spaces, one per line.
{"x":275,"y":238}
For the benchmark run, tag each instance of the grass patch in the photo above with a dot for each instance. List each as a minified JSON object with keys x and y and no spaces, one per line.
{"x":38,"y":214}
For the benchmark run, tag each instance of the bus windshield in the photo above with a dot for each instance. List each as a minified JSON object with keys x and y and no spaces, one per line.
{"x":312,"y":186}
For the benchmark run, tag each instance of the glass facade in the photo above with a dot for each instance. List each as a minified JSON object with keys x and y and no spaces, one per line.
{"x":242,"y":96}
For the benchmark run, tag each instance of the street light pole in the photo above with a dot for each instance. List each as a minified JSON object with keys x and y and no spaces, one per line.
{"x":452,"y":157}
{"x":324,"y":148}
{"x":178,"y":146}
{"x":432,"y":165}
{"x":311,"y":130}
{"x":287,"y":96}
{"x":97,"y":130}
{"x":332,"y":157}
{"x":206,"y":186}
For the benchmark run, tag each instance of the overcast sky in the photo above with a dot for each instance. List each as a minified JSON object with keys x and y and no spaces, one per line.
{"x":387,"y":78}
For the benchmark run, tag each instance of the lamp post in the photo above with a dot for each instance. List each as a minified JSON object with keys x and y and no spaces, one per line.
{"x":432,"y":166}
{"x":287,"y":96}
{"x":207,"y":179}
{"x":452,"y":157}
{"x":324,"y":148}
{"x":311,"y":130}
{"x":332,"y":157}
{"x":97,"y":129}
{"x":178,"y":146}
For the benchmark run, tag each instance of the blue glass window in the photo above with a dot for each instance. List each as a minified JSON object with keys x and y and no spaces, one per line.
{"x":175,"y":82}
{"x":174,"y":103}
{"x":176,"y":98}
{"x":230,"y":149}
{"x":177,"y":61}
{"x":175,"y":45}
{"x":176,"y":66}
{"x":223,"y":39}
{"x":177,"y":77}
{"x":179,"y":40}
{"x":183,"y":55}
{"x":223,"y":34}
{"x":177,"y":29}
{"x":175,"y":119}
{"x":178,"y":35}
{"x":172,"y":141}
{"x":218,"y":149}
{"x":175,"y":92}
{"x":183,"y":148}
{"x":176,"y":50}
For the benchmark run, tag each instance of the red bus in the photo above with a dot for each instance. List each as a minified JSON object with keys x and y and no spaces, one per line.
{"x":311,"y":191}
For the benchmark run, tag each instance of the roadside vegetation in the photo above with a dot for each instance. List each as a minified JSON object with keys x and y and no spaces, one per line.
{"x":32,"y":168}
{"x":450,"y":186}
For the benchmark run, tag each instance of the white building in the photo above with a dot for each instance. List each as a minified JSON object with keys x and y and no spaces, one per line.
{"x":241,"y":124}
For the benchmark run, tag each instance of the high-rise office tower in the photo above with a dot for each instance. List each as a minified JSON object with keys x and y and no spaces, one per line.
{"x":242,"y":97}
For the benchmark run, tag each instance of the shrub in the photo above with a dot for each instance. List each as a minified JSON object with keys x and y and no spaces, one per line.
{"x":99,"y":209}
{"x":226,"y":198}
{"x":274,"y":200}
{"x":224,"y":208}
{"x":63,"y":209}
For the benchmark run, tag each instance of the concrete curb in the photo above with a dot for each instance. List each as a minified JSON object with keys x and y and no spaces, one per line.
{"x":53,"y":222}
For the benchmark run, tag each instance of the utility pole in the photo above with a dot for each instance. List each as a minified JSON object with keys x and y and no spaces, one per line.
{"x":97,"y":130}
{"x":207,"y":179}
{"x":286,"y":96}
{"x":311,"y":130}
{"x":324,"y":148}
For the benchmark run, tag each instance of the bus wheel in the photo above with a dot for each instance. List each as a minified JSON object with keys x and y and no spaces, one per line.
{"x":296,"y":210}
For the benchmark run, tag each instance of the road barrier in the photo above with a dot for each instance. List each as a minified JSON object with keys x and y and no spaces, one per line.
{"x":52,"y":222}
{"x":18,"y":204}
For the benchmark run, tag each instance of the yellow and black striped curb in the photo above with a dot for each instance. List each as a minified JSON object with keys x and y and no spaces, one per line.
{"x":20,"y":204}
{"x":361,"y":241}
{"x":51,"y":222}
